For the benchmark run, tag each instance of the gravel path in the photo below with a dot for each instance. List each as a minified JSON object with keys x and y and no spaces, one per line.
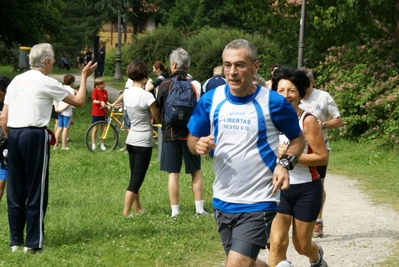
{"x":356,"y":232}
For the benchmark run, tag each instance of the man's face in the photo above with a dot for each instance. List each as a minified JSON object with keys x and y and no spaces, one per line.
{"x":239,"y":70}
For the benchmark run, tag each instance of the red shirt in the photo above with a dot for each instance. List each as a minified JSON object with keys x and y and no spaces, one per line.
{"x":100,"y":95}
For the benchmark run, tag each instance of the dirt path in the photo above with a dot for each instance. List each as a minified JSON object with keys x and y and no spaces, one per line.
{"x":356,"y":232}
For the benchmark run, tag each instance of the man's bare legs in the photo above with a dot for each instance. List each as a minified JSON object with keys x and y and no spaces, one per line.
{"x":173,"y":188}
{"x":235,"y":259}
{"x":197,"y":188}
{"x":197,"y":185}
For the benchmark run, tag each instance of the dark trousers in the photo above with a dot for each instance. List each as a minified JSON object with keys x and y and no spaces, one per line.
{"x":139,"y":160}
{"x":27,"y":185}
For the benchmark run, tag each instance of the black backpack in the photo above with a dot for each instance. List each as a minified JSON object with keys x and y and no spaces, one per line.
{"x":180,"y":102}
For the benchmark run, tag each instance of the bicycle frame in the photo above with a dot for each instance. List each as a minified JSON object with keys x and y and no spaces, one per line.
{"x":112,"y":116}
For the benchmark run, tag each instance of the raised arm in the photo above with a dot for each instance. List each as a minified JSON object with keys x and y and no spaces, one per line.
{"x":79,"y":99}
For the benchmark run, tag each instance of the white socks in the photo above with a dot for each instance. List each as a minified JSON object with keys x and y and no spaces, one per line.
{"x":199,"y":206}
{"x":175,"y":210}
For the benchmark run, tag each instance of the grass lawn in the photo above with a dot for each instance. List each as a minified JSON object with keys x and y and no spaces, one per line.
{"x":85,"y":226}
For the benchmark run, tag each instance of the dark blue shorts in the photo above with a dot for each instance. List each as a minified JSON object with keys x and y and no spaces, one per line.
{"x":98,"y":118}
{"x":174,"y":152}
{"x":302,"y":201}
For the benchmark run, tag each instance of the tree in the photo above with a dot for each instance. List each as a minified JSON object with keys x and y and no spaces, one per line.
{"x":29,"y":23}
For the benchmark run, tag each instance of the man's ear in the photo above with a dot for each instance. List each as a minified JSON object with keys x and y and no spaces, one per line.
{"x":256,"y":66}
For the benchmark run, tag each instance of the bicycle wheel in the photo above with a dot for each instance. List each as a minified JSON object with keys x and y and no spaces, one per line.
{"x":121,"y":132}
{"x":105,"y":139}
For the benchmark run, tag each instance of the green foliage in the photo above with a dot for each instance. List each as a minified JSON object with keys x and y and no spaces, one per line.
{"x":206,"y":48}
{"x":363,"y":81}
{"x":154,"y":45}
{"x":29,"y":23}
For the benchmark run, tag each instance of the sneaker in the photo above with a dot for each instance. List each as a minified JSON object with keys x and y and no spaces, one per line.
{"x":322,"y":262}
{"x":69,"y":140}
{"x":103,"y":148}
{"x":93,"y":147}
{"x":14,"y":248}
{"x":318,"y":230}
{"x":131,"y":215}
{"x":67,"y":148}
{"x":203,"y":213}
{"x":55,"y":147}
{"x":32,"y":250}
{"x":122,"y":149}
{"x":174,"y":217}
{"x":285,"y":263}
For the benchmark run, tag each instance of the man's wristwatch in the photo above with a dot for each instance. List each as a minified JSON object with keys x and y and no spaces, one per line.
{"x":288,"y":162}
{"x":324,"y":125}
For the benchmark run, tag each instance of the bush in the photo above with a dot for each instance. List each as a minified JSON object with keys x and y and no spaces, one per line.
{"x":363,"y":81}
{"x":151,"y":46}
{"x":206,"y":48}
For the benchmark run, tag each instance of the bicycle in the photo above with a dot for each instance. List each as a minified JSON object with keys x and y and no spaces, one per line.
{"x":109,"y":140}
{"x":107,"y":133}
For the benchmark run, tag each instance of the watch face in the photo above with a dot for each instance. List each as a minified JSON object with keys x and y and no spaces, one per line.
{"x":284,"y":163}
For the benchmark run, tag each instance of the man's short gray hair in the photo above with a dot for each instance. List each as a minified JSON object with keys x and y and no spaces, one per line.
{"x":308,"y":72}
{"x":181,"y":58}
{"x":39,"y":54}
{"x":242,"y":43}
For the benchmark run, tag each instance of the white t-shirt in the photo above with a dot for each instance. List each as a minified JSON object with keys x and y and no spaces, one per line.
{"x":30,"y":98}
{"x":62,"y":104}
{"x":137,"y":102}
{"x":322,"y":106}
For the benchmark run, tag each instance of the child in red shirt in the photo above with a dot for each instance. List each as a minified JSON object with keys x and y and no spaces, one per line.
{"x":99,"y":109}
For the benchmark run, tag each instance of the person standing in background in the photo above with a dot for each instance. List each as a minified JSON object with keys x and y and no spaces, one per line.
{"x":80,"y":60}
{"x":174,"y":139}
{"x":140,"y":106}
{"x":65,"y":114}
{"x":100,"y":61}
{"x":214,"y":81}
{"x":89,"y":56}
{"x":25,"y":117}
{"x":99,"y":110}
{"x":323,"y":107}
{"x":159,"y":69}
